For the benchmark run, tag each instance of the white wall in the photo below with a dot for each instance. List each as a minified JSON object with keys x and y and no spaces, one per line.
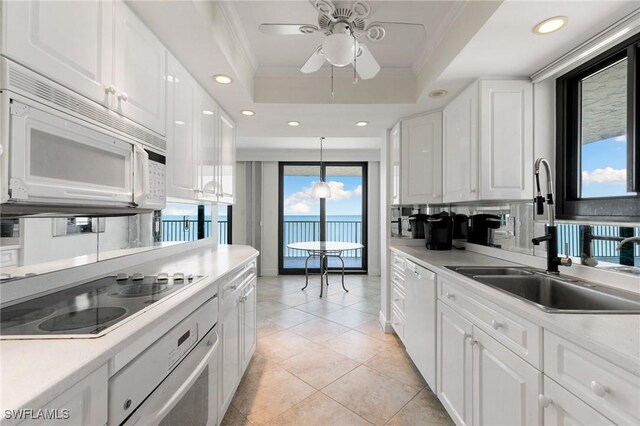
{"x":239,"y":213}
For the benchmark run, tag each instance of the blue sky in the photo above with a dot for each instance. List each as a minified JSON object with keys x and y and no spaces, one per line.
{"x":346,"y":196}
{"x":604,"y":165}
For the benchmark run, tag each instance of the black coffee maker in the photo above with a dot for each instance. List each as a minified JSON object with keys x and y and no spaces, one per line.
{"x":481,"y":227}
{"x":438,"y":232}
{"x":416,"y":224}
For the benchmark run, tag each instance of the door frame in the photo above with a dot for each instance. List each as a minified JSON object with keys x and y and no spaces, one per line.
{"x":365,"y":198}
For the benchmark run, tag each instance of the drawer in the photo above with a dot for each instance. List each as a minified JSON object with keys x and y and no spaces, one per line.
{"x":397,"y":299}
{"x":8,"y":258}
{"x":397,"y":280}
{"x":561,"y":407}
{"x":397,"y":322}
{"x":612,"y":391}
{"x":398,"y":263}
{"x":518,"y":334}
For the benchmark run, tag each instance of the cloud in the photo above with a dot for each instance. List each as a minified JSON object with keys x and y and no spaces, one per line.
{"x":606,"y":175}
{"x":622,"y":138}
{"x":303,"y":202}
{"x":175,"y":211}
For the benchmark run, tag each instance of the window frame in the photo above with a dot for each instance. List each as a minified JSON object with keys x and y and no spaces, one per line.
{"x":569,"y":204}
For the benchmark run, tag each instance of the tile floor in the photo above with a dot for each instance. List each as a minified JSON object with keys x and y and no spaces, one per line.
{"x":324,"y":362}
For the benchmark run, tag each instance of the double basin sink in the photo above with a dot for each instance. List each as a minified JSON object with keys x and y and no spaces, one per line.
{"x":554,"y":293}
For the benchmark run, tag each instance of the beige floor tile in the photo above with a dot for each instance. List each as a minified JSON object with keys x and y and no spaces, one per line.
{"x":369,"y":394}
{"x":344,"y":299}
{"x":263,"y":396}
{"x":258,"y":364}
{"x":319,"y":367}
{"x":355,"y":345}
{"x":288,"y":317}
{"x":270,"y":306}
{"x":233,"y":417}
{"x":370,"y":307}
{"x":318,"y":410}
{"x":396,"y":363}
{"x":295,"y":299}
{"x":319,"y":329}
{"x":424,"y":409}
{"x":349,"y":317}
{"x":282,"y":345}
{"x":374,"y":329}
{"x":319,"y":307}
{"x":267,"y":328}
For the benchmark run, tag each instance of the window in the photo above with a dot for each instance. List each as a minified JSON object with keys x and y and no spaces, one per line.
{"x":184,"y":222}
{"x":598,"y":144}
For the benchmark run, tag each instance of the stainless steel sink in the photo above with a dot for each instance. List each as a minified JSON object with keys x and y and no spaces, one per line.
{"x":555,"y":294}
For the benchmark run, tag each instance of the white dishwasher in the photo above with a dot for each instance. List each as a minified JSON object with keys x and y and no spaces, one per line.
{"x":420,"y":315}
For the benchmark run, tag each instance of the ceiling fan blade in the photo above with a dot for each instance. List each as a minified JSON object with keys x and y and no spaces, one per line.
{"x":314,"y":63}
{"x":366,"y":65}
{"x":393,"y":24}
{"x":287,"y":29}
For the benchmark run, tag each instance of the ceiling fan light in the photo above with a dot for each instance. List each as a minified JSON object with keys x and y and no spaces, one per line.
{"x":321,"y":190}
{"x":338,"y":49}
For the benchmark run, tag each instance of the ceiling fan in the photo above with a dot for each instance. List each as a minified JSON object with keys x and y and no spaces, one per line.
{"x":344,"y":25}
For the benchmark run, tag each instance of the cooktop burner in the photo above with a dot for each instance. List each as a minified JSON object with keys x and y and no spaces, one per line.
{"x":90,"y":308}
{"x":75,"y":320}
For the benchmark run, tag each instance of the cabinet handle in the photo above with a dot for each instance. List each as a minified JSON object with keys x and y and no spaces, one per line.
{"x":545,"y":401}
{"x":598,"y":388}
{"x":449,"y":295}
{"x":496,"y":325}
{"x":110,"y":89}
{"x":472,"y":191}
{"x":123,"y":97}
{"x":468,"y":337}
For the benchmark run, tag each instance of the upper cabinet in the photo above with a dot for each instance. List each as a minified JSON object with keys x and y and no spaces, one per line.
{"x":139,"y":71}
{"x":421,"y":165}
{"x":227,"y":163}
{"x":488,"y":142}
{"x":98,"y":49}
{"x":208,"y":154}
{"x":394,"y":163}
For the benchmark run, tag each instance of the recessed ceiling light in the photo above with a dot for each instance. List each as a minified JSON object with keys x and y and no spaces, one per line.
{"x":222,"y":79}
{"x":440,"y":93}
{"x":247,"y":112}
{"x":361,"y":123}
{"x":179,"y":122}
{"x":550,"y":25}
{"x":207,"y":112}
{"x":171,"y":79}
{"x":293,"y":123}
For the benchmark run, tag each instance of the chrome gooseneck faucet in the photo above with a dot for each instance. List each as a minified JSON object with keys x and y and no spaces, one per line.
{"x":551,"y":237}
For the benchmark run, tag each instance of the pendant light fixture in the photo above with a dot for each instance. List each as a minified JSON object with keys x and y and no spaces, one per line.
{"x":321,"y":189}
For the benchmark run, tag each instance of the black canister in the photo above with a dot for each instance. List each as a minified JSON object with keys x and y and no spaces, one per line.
{"x":416,"y":223}
{"x":438,"y":232}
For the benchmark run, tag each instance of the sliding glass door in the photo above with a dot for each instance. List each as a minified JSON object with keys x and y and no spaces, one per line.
{"x":339,"y":218}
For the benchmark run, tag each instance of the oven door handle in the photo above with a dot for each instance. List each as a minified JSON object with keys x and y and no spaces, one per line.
{"x":158,"y":415}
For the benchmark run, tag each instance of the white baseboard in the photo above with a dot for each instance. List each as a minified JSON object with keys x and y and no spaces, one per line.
{"x":386,"y":325}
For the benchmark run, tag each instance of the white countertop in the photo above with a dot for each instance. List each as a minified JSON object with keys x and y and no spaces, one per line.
{"x":613,"y":337}
{"x":32,"y":372}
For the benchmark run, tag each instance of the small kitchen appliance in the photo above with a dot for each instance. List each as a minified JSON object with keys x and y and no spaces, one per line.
{"x":481,"y":228}
{"x":438,"y":232}
{"x":416,"y":224}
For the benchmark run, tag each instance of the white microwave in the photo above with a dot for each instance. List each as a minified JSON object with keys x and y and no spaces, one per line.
{"x":59,"y":164}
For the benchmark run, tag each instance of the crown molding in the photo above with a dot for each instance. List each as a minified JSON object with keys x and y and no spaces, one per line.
{"x":325,"y":71}
{"x":235,"y":26}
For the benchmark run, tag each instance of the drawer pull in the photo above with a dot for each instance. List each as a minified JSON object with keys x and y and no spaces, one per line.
{"x":598,"y":388}
{"x":449,"y":295}
{"x":468,"y":337}
{"x":545,"y":401}
{"x":396,"y":300}
{"x":496,"y":325}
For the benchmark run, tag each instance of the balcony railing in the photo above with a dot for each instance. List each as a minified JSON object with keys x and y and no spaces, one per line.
{"x":570,"y":233}
{"x":187,"y":230}
{"x":343,"y":231}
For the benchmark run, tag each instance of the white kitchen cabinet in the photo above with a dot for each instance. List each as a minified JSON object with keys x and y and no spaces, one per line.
{"x":421,"y":165}
{"x":71,"y":42}
{"x":506,"y":140}
{"x":249,"y":322}
{"x":455,"y":360}
{"x":208,"y":147}
{"x":562,"y":408}
{"x":460,"y":147}
{"x":394,"y":163}
{"x":139,"y":71}
{"x":86,"y":402}
{"x":420,"y":320}
{"x":227,"y":159}
{"x":505,"y":387}
{"x":181,"y":135}
{"x":488,"y":142}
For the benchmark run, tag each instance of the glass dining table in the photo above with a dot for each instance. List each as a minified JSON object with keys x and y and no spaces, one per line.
{"x":324,"y":250}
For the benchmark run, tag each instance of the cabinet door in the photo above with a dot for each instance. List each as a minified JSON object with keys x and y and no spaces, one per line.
{"x":181,"y":141}
{"x":70,"y":42}
{"x":207,"y":112}
{"x":139,"y":71}
{"x":421,"y":166}
{"x":460,"y":147}
{"x":227,"y":162}
{"x":420,"y":328}
{"x":230,"y":331}
{"x":505,"y":387}
{"x":394,"y":163}
{"x":562,"y":408}
{"x":454,"y":364}
{"x":506,"y":140}
{"x":249,"y":330}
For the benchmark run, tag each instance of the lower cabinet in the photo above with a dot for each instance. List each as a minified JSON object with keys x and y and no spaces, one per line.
{"x":561,"y":407}
{"x":238,"y":331}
